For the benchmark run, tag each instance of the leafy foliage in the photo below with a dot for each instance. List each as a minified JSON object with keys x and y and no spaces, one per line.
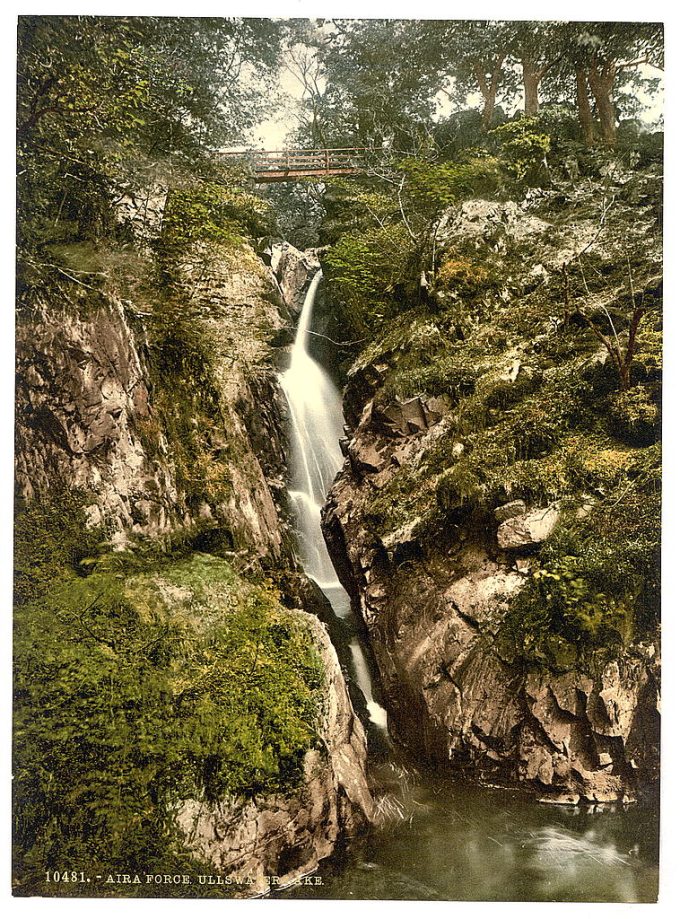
{"x":200,"y":221}
{"x":597,"y":580}
{"x":429,"y":188}
{"x":374,"y":267}
{"x":369,"y":271}
{"x":524,"y":148}
{"x":101,"y":98}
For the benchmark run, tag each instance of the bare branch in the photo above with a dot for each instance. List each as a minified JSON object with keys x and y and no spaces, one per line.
{"x":403,"y":214}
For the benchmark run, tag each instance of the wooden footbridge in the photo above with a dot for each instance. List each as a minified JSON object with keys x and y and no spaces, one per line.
{"x":290,"y":165}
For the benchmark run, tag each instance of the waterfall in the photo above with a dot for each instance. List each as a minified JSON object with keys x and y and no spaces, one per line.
{"x":376,"y":712}
{"x":316,"y":423}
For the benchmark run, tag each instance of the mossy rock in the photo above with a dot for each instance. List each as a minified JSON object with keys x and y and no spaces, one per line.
{"x":137,"y":690}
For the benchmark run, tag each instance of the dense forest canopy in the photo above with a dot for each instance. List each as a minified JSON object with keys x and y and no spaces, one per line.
{"x":100,"y":99}
{"x":382,"y":81}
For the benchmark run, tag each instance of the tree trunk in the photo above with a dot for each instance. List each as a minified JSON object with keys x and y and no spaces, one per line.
{"x":585,"y":115}
{"x":531,"y":78}
{"x":489,"y":89}
{"x":602,"y":84}
{"x":488,"y":110}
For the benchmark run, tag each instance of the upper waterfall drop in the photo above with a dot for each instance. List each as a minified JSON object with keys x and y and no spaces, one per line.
{"x":317,"y":425}
{"x":316,"y":428}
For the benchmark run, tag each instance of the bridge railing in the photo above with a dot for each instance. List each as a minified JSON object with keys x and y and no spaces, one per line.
{"x":302,"y":160}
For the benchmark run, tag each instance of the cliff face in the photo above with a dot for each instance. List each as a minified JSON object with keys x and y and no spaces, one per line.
{"x":477,"y":475}
{"x":82,"y":398}
{"x":167,"y":418}
{"x":433,"y":619}
{"x":90,"y":411}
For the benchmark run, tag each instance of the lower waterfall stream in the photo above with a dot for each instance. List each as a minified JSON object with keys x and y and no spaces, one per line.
{"x":438,"y":837}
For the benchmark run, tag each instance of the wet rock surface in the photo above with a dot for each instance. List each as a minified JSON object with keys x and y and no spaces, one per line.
{"x":294,"y":271}
{"x":87,"y":416}
{"x":82,"y":401}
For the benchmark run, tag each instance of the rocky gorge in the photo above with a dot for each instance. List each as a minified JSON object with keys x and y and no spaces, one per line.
{"x":195,"y":453}
{"x":437,"y":530}
{"x":452,"y":695}
{"x":337,"y":518}
{"x":192,"y":455}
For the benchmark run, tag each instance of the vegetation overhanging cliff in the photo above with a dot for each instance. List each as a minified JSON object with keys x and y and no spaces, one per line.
{"x":497,"y":520}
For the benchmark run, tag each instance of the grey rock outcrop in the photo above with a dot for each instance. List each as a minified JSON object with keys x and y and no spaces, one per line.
{"x":527,"y":530}
{"x":399,"y":418}
{"x":285,"y":837}
{"x":478,"y":220}
{"x":83,"y":405}
{"x":433,"y":611}
{"x":294,"y":271}
{"x":87,"y":413}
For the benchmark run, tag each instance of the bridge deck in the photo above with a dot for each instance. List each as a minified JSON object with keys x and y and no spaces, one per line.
{"x":289,"y":165}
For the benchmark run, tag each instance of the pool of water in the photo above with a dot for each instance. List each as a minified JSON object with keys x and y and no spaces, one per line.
{"x":440,"y":839}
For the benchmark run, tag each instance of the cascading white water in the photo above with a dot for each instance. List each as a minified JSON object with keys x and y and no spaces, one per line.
{"x":376,"y":712}
{"x":316,"y":428}
{"x":316,"y":419}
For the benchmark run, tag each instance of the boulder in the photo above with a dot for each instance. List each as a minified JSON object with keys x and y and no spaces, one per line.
{"x":365,"y":456}
{"x":528,"y":530}
{"x":412,"y":416}
{"x":509,"y":510}
{"x":294,"y":271}
{"x":286,"y":836}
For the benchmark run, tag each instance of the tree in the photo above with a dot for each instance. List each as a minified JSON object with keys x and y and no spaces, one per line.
{"x":378,"y":87}
{"x":471,"y":56}
{"x":302,"y":61}
{"x":537,"y":47}
{"x":616,"y":305}
{"x":605,"y":51}
{"x":585,"y":113}
{"x":97,"y":93}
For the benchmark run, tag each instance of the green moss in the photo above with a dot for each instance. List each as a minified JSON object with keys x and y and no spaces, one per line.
{"x":636,"y":413}
{"x":50,"y":537}
{"x":540,"y":413}
{"x":188,"y":403}
{"x":595,"y":584}
{"x":133,"y":693}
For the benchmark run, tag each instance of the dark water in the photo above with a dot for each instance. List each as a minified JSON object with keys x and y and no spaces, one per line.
{"x":445,"y":840}
{"x":439,"y":838}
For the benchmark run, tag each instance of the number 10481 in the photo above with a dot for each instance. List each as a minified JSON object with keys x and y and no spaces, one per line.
{"x":65,"y":877}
